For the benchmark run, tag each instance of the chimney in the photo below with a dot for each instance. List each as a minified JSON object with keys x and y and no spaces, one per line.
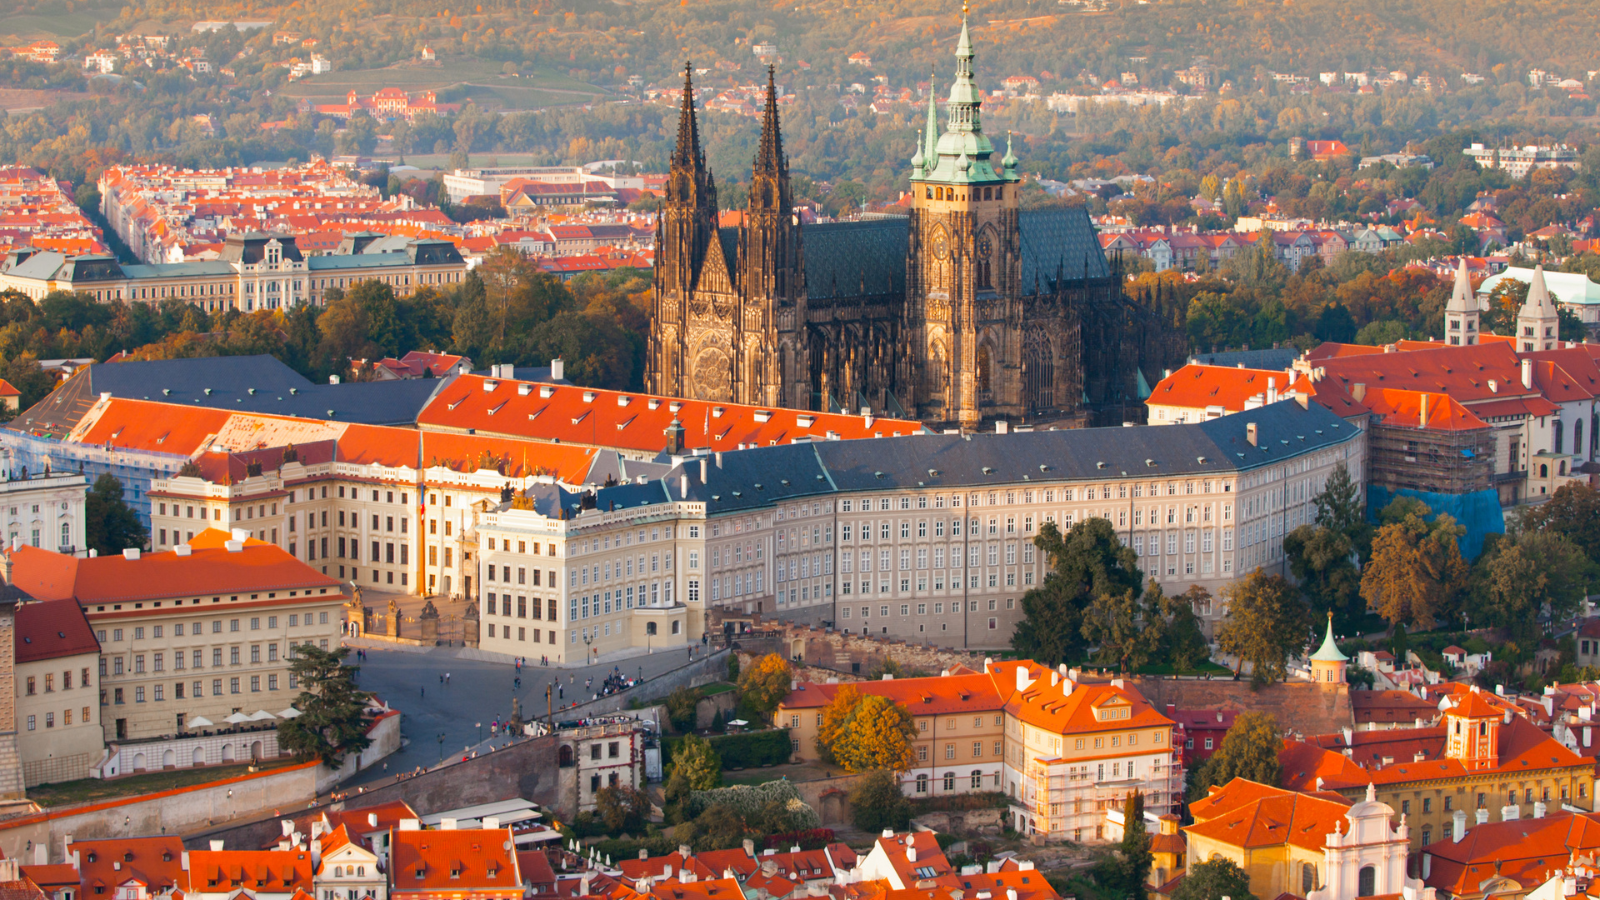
{"x":702,"y":470}
{"x":216,"y":846}
{"x":1527,"y":374}
{"x":1001,"y":426}
{"x":1538,"y":809}
{"x":1359,"y":391}
{"x":911,"y":854}
{"x":749,"y":848}
{"x":683,"y":486}
{"x":490,"y":823}
{"x":1587,"y":734}
{"x":1272,"y":390}
{"x":1022,"y":684}
{"x":1458,"y":825}
{"x":132,"y":553}
{"x":557,"y":369}
{"x":1510,"y":813}
{"x":1424,"y":422}
{"x":447,"y":824}
{"x":1349,"y":736}
{"x":372,"y":820}
{"x":1251,"y":435}
{"x":1483,"y":816}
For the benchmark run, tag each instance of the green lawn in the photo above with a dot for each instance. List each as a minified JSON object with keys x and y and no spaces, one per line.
{"x":720,"y":687}
{"x":92,"y":790}
{"x":58,"y":25}
{"x":478,"y":80}
{"x":1203,"y":668}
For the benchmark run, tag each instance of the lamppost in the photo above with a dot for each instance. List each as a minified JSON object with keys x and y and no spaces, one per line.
{"x":441,"y":746}
{"x":588,"y":642}
{"x":480,"y":732}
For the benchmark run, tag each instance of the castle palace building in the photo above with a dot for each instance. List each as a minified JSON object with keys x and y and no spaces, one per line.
{"x":969,"y":309}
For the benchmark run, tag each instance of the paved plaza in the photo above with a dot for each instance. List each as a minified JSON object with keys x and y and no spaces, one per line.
{"x":437,"y":716}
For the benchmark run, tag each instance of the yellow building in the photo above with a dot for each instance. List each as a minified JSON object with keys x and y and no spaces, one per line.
{"x":1481,"y":759}
{"x":1306,"y":845}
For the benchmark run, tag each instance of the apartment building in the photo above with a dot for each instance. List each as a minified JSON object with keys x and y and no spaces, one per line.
{"x":447,"y":864}
{"x":58,"y":707}
{"x":194,"y":642}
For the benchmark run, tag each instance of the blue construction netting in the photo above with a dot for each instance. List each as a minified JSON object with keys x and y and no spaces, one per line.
{"x":1479,"y":511}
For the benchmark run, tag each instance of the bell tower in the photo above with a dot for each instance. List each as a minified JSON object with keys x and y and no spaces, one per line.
{"x":1538,"y":321}
{"x":685,"y":229}
{"x":1461,"y":316}
{"x":773,"y":346}
{"x":963,"y":314}
{"x":1472,"y":731}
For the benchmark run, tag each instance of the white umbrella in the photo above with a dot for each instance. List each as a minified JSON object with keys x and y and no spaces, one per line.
{"x":289,"y":713}
{"x":739,"y":722}
{"x":237,"y":718}
{"x":261,"y":715}
{"x":200,"y":722}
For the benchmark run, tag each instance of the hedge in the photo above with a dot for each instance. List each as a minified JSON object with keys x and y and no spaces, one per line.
{"x":744,"y":751}
{"x":747,"y":801}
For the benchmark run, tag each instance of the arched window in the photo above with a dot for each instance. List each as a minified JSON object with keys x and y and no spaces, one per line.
{"x":922,"y":783}
{"x":950,"y":781}
{"x":361,"y":871}
{"x":983,"y":372}
{"x":977,"y":779}
{"x":1366,"y":881}
{"x":1308,"y":879}
{"x":928,"y":192}
{"x":338,"y":871}
{"x":1544,"y":470}
{"x":1577,"y":438}
{"x":1558,"y":427}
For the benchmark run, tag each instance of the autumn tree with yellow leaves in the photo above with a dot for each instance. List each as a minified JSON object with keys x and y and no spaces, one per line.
{"x":836,"y":718}
{"x":1416,"y":573}
{"x":764,"y":685}
{"x":878,"y":736}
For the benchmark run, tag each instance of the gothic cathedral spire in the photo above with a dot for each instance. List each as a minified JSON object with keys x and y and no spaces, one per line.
{"x":770,"y":266}
{"x":688,"y":153}
{"x":770,"y":157}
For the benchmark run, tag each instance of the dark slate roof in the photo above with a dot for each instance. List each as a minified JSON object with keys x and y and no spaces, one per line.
{"x":614,"y":466}
{"x":1265,"y":358}
{"x":1217,"y":447}
{"x":168,"y":380}
{"x":527,"y":373}
{"x":251,"y":247}
{"x":841,"y":257}
{"x":1059,"y":240}
{"x":367,"y":403}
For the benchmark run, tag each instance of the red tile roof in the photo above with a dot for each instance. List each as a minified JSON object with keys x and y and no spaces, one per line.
{"x":1406,"y":408}
{"x":1527,"y":851}
{"x":593,"y":417}
{"x":51,"y":629}
{"x":922,"y":696}
{"x":155,"y":862}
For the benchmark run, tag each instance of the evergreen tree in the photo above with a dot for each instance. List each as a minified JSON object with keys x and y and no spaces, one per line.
{"x":332,"y":721}
{"x":1249,"y":750}
{"x":1136,"y":858}
{"x":1087,"y":562}
{"x":110,"y":525}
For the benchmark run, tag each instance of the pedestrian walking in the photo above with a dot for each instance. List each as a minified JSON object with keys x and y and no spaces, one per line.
{"x":424,"y":690}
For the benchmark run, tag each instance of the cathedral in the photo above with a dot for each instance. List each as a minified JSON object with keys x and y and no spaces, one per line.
{"x":968,"y":310}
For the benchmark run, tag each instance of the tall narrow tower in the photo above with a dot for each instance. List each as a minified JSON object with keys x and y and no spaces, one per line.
{"x":685,"y":229}
{"x":963,"y":315}
{"x":1461,"y":315}
{"x":1538,"y":321}
{"x":773,"y":350}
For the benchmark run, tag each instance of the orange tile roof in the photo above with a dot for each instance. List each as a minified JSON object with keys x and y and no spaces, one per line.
{"x":210,"y":569}
{"x":156,"y":862}
{"x":922,"y":696}
{"x":930,"y":857}
{"x":714,"y":889}
{"x":632,"y":421}
{"x":52,"y":876}
{"x":1405,"y":408}
{"x":1528,"y":851}
{"x":225,"y":871}
{"x":458,"y":864}
{"x":1523,"y":747}
{"x":52,"y":629}
{"x":1198,"y":386}
{"x":1064,"y":709}
{"x":1249,"y":814}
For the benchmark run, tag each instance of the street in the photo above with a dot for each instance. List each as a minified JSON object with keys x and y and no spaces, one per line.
{"x":478,"y":692}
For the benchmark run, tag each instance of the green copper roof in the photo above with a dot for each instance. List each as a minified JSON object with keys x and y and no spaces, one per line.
{"x":1329,"y":652}
{"x":961,"y":155}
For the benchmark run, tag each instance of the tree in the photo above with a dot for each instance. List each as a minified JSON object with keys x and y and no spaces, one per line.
{"x":836,"y":718}
{"x":1518,"y":579}
{"x":764,"y":685}
{"x":1339,"y":506}
{"x":1267,"y":624}
{"x":1214,"y":879}
{"x":1126,"y":627}
{"x":622,"y":808}
{"x":876,"y":802}
{"x":1249,"y":750}
{"x":332,"y":720}
{"x":878,"y":736}
{"x":1321,"y":559}
{"x":681,"y":709}
{"x":1183,"y":641}
{"x":1136,"y":858}
{"x":1416,"y":571}
{"x":1087,"y":562}
{"x":695,"y":767}
{"x":1574,"y":511}
{"x":110,"y":525}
